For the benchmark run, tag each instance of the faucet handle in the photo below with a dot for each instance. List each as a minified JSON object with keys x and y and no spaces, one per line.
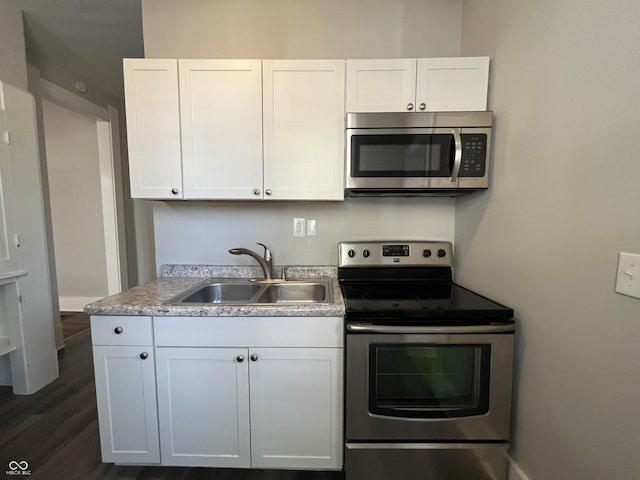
{"x":267,"y":253}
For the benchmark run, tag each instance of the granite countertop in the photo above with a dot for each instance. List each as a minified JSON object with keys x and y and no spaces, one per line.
{"x":149,"y":298}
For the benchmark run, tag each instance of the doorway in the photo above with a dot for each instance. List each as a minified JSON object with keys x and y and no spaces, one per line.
{"x":82,"y":152}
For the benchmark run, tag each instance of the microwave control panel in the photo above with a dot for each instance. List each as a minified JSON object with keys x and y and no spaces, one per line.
{"x":474,"y":152}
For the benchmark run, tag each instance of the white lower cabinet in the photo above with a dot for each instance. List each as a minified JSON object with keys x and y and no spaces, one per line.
{"x":231,"y":392}
{"x":123,"y":361}
{"x":203,"y":406}
{"x":256,"y":407}
{"x":250,"y":392}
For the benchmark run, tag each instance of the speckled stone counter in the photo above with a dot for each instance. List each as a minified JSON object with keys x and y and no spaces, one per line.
{"x":149,"y":299}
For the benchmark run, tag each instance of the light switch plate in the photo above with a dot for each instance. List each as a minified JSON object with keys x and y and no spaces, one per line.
{"x":628,"y":277}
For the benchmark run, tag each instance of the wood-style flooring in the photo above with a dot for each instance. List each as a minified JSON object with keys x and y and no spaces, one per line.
{"x":74,"y":323}
{"x":56,"y":432}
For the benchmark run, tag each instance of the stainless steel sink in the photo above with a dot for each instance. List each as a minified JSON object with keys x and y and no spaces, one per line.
{"x":256,"y":292}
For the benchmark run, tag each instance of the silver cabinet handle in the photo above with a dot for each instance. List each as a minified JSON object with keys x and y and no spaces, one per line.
{"x":457,"y":159}
{"x":118,"y":330}
{"x":240,"y":358}
{"x":144,"y":355}
{"x":254,"y":357}
{"x":410,"y":106}
{"x":174,"y":191}
{"x":423,"y":106}
{"x":256,"y":191}
{"x":268,"y":191}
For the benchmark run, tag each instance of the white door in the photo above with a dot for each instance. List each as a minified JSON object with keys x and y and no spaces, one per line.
{"x":380,"y":85}
{"x":153,"y":127}
{"x":453,"y":84}
{"x":296,"y":408}
{"x":303,"y":129}
{"x":203,"y":406}
{"x":221,"y":119}
{"x":126,"y":397}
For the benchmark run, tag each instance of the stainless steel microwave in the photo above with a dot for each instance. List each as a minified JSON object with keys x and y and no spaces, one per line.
{"x":417,"y":153}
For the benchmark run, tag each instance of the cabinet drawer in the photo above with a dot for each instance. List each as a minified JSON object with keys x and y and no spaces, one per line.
{"x":121,"y":330}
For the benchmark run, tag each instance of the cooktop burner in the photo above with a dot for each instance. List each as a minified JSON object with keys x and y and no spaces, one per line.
{"x":409,"y":282}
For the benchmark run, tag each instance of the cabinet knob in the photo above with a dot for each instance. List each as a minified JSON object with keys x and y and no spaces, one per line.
{"x":240,"y":358}
{"x":268,"y":191}
{"x":144,"y":355}
{"x":410,"y":106}
{"x":118,"y":330}
{"x":423,"y":106}
{"x":254,"y":357}
{"x":256,"y":191}
{"x":174,"y":191}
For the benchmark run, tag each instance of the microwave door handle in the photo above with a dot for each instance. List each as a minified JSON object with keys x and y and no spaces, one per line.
{"x":457,"y":158}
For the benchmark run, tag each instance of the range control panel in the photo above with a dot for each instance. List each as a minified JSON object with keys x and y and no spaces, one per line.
{"x":395,"y":253}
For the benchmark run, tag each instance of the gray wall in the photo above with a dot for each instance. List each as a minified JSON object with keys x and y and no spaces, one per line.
{"x":564,"y":201}
{"x":13,"y":64}
{"x":187,"y":232}
{"x":309,"y":29}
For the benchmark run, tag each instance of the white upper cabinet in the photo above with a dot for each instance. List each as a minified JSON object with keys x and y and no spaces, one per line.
{"x":153,"y":128}
{"x":456,"y":84}
{"x":221,"y":120}
{"x":381,"y":85}
{"x":424,"y":84}
{"x":303,"y":129}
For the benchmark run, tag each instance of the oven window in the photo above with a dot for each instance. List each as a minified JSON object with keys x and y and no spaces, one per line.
{"x":406,"y":155}
{"x":429,"y":380}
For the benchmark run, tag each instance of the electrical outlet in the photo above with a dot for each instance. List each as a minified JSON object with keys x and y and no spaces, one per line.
{"x":299,"y":225}
{"x":628,"y":277}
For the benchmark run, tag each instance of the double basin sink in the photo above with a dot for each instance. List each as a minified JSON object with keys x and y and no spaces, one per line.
{"x":256,"y":292}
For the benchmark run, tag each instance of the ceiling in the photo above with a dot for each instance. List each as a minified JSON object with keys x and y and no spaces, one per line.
{"x":86,"y":38}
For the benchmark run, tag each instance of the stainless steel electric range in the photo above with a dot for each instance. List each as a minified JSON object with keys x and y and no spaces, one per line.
{"x":428,"y":367}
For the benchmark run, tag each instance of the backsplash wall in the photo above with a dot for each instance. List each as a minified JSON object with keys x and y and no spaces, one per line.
{"x":203,"y":232}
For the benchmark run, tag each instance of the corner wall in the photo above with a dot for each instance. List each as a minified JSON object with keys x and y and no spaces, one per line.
{"x":564,"y":200}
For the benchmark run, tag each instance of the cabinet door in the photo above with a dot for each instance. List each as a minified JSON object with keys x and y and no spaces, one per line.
{"x":452,"y":84}
{"x":126,"y":397}
{"x":303,"y":129}
{"x":296,"y":408}
{"x":221,"y":118}
{"x":153,"y":128}
{"x":8,"y":250}
{"x":381,"y":85}
{"x":203,"y":405}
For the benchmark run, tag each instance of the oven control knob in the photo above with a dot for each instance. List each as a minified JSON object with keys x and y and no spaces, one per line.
{"x":365,"y":253}
{"x":442,"y":253}
{"x":426,"y":253}
{"x":351,"y":253}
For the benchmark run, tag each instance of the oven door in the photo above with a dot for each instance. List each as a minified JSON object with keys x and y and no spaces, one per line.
{"x":417,"y":158}
{"x":428,"y":383}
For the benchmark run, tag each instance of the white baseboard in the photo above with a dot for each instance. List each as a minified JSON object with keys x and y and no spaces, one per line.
{"x":75,"y":304}
{"x":515,"y":472}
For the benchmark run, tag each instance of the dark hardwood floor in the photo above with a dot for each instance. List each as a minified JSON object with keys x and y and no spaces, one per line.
{"x":56,"y":432}
{"x":74,"y":323}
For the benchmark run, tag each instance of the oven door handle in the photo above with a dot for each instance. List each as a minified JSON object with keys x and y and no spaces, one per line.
{"x":370,"y":328}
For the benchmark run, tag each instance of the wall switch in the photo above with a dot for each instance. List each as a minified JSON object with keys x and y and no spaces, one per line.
{"x":628,"y":277}
{"x":299,"y":225}
{"x":311,"y":228}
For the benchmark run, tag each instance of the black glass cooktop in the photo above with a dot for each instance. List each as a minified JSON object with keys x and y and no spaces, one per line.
{"x":413,"y":301}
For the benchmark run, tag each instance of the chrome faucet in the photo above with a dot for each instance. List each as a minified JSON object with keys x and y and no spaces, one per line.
{"x":264,"y":261}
